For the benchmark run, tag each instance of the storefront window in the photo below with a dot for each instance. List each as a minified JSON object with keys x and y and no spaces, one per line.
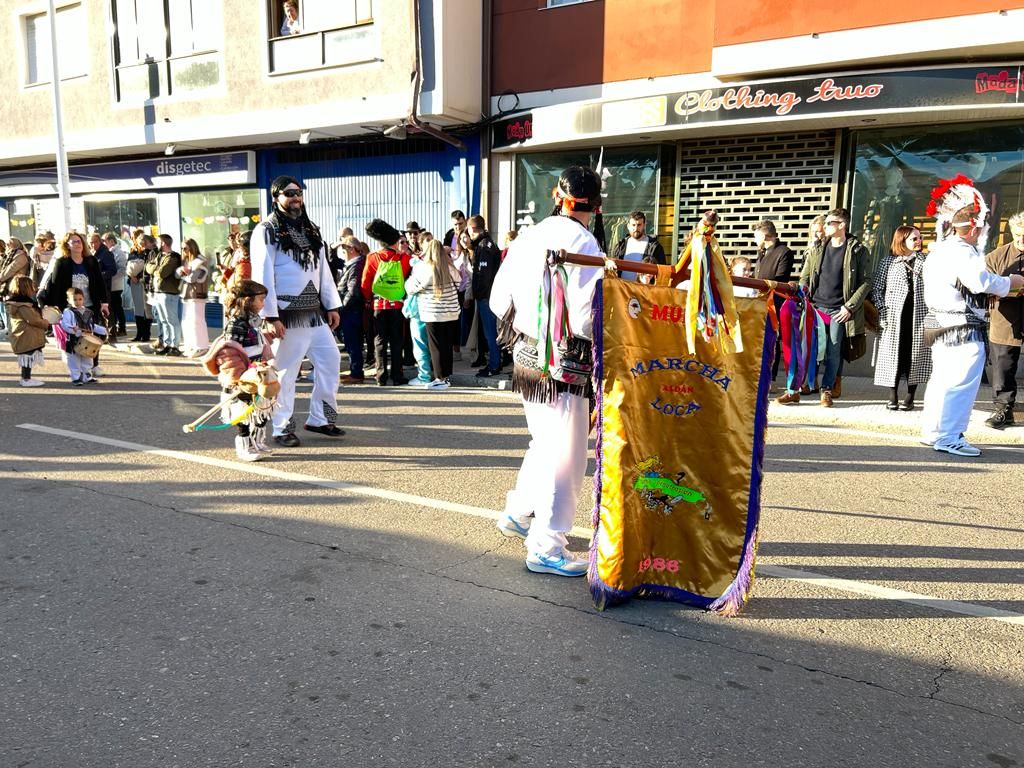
{"x":630,"y":177}
{"x":209,"y":217}
{"x":895,"y":171}
{"x":122,"y":216}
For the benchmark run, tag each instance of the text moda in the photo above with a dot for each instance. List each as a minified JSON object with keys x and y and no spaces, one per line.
{"x":690,"y":365}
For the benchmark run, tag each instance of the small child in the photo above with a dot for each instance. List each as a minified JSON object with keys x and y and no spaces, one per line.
{"x":741,"y":267}
{"x":76,"y":320}
{"x":28,"y":328}
{"x":242,"y":310}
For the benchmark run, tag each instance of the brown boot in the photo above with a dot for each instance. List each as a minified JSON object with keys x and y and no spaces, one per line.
{"x":788,"y":398}
{"x":826,"y":398}
{"x":837,"y":388}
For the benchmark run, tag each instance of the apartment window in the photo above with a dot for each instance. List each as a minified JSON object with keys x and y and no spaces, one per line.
{"x":313,"y":34}
{"x":165,"y":47}
{"x":73,"y":53}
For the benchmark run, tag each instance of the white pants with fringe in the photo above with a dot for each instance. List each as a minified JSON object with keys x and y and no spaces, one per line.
{"x":321,"y":347}
{"x":552,"y":474}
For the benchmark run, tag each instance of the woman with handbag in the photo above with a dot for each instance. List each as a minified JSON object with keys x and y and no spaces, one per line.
{"x":898,"y":294}
{"x":195,"y":280}
{"x":434,"y":283}
{"x":143,"y":249}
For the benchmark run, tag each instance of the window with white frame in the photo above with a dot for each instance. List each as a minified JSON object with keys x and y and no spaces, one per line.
{"x":72,"y":54}
{"x":312,"y":34}
{"x":166,"y":46}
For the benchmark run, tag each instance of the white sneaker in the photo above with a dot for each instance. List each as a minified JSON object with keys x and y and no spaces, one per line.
{"x":512,"y":528}
{"x":438,"y":384}
{"x":246,"y":450}
{"x":32,"y":383}
{"x":958,"y":447}
{"x":96,"y":372}
{"x":418,"y":384}
{"x":563,"y":564}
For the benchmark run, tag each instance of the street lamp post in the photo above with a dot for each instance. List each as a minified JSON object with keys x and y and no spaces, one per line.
{"x":62,"y":158}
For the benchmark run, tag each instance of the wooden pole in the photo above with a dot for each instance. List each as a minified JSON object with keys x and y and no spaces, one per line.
{"x":652,"y":269}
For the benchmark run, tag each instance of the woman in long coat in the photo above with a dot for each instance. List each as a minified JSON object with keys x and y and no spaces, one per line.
{"x":898,"y":293}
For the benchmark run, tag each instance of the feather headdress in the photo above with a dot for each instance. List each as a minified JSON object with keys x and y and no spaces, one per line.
{"x":952,"y":196}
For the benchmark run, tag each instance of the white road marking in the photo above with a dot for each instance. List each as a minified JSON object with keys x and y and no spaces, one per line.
{"x":887,"y":593}
{"x":262,"y":470}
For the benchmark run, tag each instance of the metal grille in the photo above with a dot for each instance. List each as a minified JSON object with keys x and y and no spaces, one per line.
{"x":787,"y":178}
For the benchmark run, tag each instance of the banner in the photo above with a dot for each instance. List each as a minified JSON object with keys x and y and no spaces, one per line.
{"x":680,"y":449}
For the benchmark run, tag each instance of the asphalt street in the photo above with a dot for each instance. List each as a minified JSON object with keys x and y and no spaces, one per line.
{"x":350,"y":602}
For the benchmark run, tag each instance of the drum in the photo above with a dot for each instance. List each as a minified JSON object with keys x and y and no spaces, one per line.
{"x":88,"y":345}
{"x":51,"y":315}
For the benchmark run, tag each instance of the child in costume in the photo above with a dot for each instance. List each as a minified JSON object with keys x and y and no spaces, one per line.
{"x":76,"y":320}
{"x":241,"y":345}
{"x":27,"y":328}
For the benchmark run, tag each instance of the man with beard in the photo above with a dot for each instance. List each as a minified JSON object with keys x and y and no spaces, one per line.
{"x":289,"y":257}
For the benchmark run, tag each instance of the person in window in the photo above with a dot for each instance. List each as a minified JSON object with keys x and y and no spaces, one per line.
{"x":291,"y":24}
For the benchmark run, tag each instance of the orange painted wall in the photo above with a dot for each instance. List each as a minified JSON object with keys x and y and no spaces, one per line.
{"x":747,"y":21}
{"x":593,"y":42}
{"x":601,"y":41}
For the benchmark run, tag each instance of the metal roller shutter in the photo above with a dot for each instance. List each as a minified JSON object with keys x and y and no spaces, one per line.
{"x":789,"y":178}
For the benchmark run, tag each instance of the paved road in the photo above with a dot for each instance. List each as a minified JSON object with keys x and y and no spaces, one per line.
{"x":349,"y":603}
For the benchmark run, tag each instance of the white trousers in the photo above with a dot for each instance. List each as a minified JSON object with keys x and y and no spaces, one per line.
{"x":550,"y":479}
{"x":78,"y":365}
{"x":194,"y":334}
{"x":320,"y":346}
{"x":952,"y":389}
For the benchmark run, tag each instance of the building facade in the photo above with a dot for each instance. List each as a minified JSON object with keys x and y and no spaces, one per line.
{"x":780,"y":111}
{"x":178,"y":113}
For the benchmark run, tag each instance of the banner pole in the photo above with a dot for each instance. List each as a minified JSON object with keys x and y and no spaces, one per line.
{"x":644,"y":268}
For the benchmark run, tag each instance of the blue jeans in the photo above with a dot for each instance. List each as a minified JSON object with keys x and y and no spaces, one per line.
{"x":166,"y":307}
{"x":420,"y":349}
{"x":352,"y":337}
{"x":489,"y":321}
{"x":833,"y":366}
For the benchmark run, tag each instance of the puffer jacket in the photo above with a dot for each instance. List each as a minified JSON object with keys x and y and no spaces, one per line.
{"x":28,"y":329}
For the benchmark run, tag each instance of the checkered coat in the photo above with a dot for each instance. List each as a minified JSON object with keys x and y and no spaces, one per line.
{"x":890,"y":289}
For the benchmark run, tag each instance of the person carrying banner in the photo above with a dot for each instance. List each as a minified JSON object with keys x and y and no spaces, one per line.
{"x":552,"y":379}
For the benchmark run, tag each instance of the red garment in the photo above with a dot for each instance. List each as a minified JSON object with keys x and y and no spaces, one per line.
{"x":370,"y":272}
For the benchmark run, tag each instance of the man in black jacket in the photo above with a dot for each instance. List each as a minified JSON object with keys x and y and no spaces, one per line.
{"x":774,"y":262}
{"x":352,"y":307}
{"x":486,"y":260}
{"x":639,"y":246}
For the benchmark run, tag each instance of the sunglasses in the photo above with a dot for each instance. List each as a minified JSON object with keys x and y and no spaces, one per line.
{"x":834,"y":222}
{"x":291,"y":192}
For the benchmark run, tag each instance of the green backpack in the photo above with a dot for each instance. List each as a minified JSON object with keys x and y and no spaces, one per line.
{"x":389,"y":282}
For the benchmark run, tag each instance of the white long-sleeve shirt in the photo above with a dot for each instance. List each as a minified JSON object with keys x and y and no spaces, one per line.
{"x":951,"y":260}
{"x":519,"y":279}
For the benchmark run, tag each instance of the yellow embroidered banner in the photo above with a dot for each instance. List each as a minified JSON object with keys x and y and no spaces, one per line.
{"x":679,"y":453}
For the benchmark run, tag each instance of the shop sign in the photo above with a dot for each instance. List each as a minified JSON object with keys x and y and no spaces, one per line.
{"x":515,"y":130}
{"x":872,"y":92}
{"x":165,"y":172}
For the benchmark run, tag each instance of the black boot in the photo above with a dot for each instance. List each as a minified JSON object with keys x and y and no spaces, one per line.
{"x":1002,"y":418}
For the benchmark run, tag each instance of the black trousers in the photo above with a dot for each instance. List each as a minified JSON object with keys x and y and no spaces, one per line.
{"x":388,"y":326}
{"x":1002,"y":372}
{"x":116,"y":313}
{"x":441,"y":340}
